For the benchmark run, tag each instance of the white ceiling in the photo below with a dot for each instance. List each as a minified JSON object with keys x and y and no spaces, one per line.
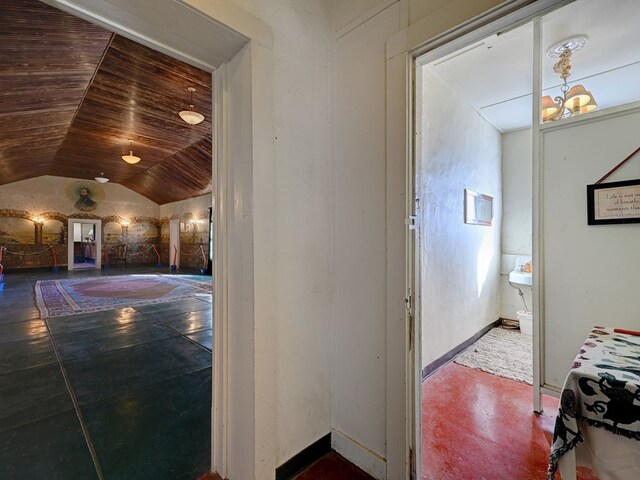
{"x":495,"y":75}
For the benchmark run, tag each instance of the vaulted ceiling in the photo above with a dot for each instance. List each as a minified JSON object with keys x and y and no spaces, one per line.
{"x":73,"y":95}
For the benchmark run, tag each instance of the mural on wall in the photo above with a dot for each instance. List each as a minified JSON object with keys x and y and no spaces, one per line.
{"x":16,"y":230}
{"x":28,"y":236}
{"x":54,"y":231}
{"x":86,"y":195}
{"x":164,"y":231}
{"x":112,"y":232}
{"x":194,"y":238}
{"x":143,"y":232}
{"x":34,"y":216}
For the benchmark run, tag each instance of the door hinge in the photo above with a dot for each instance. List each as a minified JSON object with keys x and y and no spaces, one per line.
{"x":411,"y":222}
{"x":408,"y":302}
{"x":411,"y":331}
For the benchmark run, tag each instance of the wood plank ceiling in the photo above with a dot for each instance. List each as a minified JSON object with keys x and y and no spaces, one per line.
{"x":73,"y":96}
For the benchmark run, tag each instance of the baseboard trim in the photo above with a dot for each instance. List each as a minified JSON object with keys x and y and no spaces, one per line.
{"x":306,"y":457}
{"x":359,"y":455}
{"x":447,"y":357}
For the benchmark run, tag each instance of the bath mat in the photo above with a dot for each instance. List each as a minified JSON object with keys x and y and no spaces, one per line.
{"x":56,"y":298}
{"x":503,"y":352}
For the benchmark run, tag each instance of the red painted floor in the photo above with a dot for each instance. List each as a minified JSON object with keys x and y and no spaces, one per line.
{"x":477,"y":426}
{"x":333,"y":467}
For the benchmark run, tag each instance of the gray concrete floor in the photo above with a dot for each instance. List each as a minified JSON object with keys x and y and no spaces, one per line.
{"x":119,"y":394}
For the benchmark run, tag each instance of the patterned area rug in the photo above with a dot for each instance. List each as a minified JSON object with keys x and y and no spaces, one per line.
{"x":503,"y":352}
{"x":56,"y":298}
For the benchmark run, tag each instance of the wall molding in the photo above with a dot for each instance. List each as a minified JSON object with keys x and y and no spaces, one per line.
{"x":365,"y":17}
{"x":447,"y":357}
{"x":359,"y":455}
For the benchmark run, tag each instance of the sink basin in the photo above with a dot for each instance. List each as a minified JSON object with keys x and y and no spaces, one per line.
{"x":521,"y":278}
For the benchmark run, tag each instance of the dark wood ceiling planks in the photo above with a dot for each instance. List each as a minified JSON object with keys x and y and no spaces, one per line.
{"x":188,"y":170}
{"x":136,"y":95}
{"x":47,"y":59}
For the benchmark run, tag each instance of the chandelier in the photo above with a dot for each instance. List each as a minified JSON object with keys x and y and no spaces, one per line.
{"x":574,"y":100}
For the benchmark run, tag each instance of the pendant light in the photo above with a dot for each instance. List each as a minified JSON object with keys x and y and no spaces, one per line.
{"x":101,"y":178}
{"x":189,"y":116}
{"x":131,"y":158}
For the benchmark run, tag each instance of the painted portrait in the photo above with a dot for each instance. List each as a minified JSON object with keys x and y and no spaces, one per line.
{"x":84,"y":202}
{"x":85,"y":196}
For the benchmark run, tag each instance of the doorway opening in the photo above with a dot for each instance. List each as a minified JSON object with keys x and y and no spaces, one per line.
{"x":125,"y":336}
{"x":474,"y":112}
{"x":84,"y":243}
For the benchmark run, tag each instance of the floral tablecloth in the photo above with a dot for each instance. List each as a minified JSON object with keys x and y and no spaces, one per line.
{"x":601,"y":390}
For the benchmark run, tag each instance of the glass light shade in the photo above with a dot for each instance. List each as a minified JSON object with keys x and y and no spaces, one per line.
{"x":549,"y":107}
{"x":101,"y":179}
{"x":577,"y":97}
{"x":131,"y":158}
{"x":191,"y":117}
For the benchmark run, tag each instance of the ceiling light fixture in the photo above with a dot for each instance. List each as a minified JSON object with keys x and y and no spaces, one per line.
{"x":189,"y":116}
{"x":101,"y":178}
{"x":131,"y":158}
{"x":575,"y":100}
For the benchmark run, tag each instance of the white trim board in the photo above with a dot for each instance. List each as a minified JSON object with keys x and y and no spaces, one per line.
{"x":369,"y":461}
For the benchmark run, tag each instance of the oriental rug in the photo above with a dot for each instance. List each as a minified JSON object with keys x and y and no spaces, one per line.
{"x":504,"y":352}
{"x":56,"y":298}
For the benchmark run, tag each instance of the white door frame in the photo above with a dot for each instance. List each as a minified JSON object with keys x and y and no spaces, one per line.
{"x":403,"y":50}
{"x":98,"y":239}
{"x":243,"y":410}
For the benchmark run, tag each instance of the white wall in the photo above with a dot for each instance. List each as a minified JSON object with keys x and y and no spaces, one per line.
{"x":435,"y":16}
{"x":517,"y":211}
{"x":516,"y":192}
{"x":450,"y":12}
{"x":344,"y":13}
{"x":358,"y":257}
{"x":459,"y":262}
{"x":301,"y":218}
{"x":590,"y":272}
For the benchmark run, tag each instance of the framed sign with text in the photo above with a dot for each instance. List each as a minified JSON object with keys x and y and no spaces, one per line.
{"x":613,"y":203}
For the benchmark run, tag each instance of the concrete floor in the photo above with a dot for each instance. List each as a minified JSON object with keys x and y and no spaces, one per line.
{"x":120,"y":394}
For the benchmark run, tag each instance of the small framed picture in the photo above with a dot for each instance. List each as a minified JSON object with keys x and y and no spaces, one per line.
{"x":478,"y":208}
{"x":613,"y":203}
